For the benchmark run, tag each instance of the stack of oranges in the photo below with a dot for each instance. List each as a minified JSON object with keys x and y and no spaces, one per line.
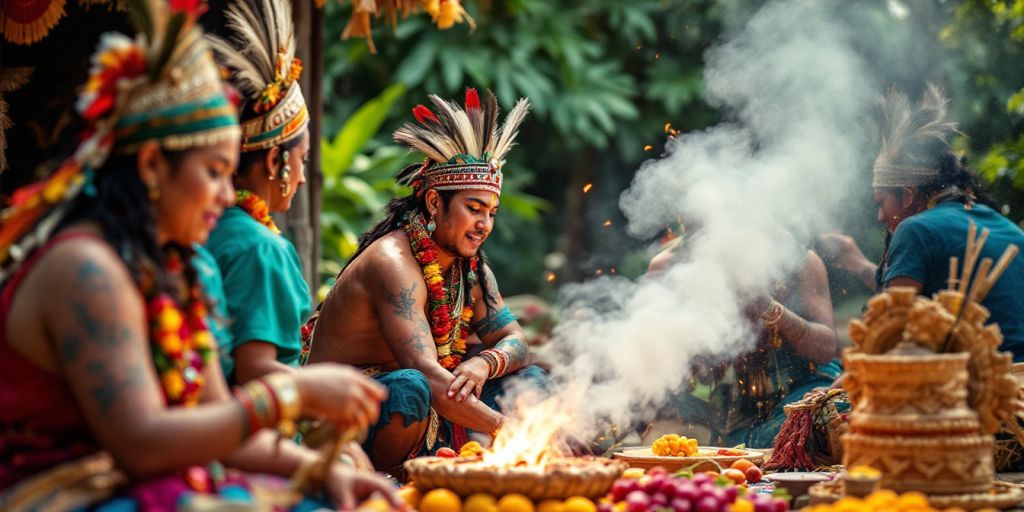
{"x":444,"y":500}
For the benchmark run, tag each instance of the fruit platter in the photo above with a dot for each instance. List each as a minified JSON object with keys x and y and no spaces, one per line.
{"x":674,"y":452}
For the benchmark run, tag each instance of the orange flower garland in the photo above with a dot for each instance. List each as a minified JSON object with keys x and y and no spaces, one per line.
{"x":181,"y":343}
{"x":449,"y":332}
{"x":256,"y":208}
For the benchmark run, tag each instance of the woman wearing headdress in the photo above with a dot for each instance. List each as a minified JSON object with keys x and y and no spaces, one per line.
{"x":109,"y":385}
{"x":267,"y":295}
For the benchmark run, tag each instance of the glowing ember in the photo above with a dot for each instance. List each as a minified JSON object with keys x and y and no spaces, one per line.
{"x":529,"y":438}
{"x":607,"y":223}
{"x":551,"y":277}
{"x":648,"y":147}
{"x":587,"y":187}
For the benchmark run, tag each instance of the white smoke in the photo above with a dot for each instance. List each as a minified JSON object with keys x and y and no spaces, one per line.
{"x":797,"y":96}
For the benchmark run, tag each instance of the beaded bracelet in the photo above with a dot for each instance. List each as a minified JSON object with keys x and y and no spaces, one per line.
{"x":497,"y":360}
{"x":271,"y":401}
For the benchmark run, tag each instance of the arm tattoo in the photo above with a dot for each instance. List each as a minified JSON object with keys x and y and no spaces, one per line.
{"x":109,"y":386}
{"x":417,"y":340}
{"x":515,"y":347}
{"x":495,"y":320}
{"x":402,"y":301}
{"x":109,"y":378}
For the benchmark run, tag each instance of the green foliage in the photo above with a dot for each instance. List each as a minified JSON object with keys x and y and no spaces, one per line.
{"x":986,"y":38}
{"x":604,"y":76}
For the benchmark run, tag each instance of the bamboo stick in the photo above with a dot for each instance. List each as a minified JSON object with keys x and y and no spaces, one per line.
{"x":968,"y":264}
{"x":979,"y":280}
{"x":1004,"y":262}
{"x":952,"y":281}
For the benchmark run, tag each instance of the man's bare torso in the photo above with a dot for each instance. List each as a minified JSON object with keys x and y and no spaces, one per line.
{"x":348,"y":330}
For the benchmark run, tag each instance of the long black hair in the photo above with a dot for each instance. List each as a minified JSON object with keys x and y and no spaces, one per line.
{"x":118,"y":202}
{"x":394,"y":215}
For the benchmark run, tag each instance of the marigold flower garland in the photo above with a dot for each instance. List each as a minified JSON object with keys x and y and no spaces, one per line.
{"x":449,"y":332}
{"x":256,"y":208}
{"x":181,"y":343}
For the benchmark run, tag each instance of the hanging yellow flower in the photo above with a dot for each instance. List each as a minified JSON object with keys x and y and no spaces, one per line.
{"x":450,"y":13}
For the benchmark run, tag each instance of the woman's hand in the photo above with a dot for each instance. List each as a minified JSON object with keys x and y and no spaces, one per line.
{"x":348,"y":487}
{"x":340,"y":394}
{"x":470,"y":377}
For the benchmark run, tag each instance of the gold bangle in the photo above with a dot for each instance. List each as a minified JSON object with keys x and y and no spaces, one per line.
{"x":773,"y":314}
{"x":289,"y":404}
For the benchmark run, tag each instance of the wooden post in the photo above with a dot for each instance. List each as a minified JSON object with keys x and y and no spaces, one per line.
{"x":302,"y":222}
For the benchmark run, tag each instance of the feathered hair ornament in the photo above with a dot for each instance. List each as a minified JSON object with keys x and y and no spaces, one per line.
{"x":463,"y":144}
{"x":913,"y":140}
{"x":260,"y":58}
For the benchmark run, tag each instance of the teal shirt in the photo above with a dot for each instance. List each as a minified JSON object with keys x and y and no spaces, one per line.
{"x":267,"y":298}
{"x":212,"y":286}
{"x":923,"y":243}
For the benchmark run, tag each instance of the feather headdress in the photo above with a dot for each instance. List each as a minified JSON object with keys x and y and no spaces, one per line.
{"x":464,"y":146}
{"x":260,"y":56}
{"x":160,"y":86}
{"x":912,"y":139}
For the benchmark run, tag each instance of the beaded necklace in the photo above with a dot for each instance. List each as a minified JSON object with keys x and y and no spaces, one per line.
{"x":251,"y":204}
{"x":180,"y":341}
{"x":449,"y":328}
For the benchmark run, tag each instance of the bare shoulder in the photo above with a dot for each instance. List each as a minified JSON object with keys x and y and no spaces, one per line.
{"x":389,"y":257}
{"x":814,"y":267}
{"x":82,"y":264}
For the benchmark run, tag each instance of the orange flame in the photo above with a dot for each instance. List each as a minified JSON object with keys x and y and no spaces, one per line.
{"x":587,"y":187}
{"x":529,"y":438}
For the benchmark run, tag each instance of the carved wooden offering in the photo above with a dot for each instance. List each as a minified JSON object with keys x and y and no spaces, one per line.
{"x":928,"y":386}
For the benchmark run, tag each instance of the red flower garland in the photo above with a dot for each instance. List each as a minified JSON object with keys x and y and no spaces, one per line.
{"x":181,"y":343}
{"x":449,"y":333}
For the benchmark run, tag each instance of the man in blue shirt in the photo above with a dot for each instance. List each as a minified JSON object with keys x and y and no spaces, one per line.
{"x":927,"y":198}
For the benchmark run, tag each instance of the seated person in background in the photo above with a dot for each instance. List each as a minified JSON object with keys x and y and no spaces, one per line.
{"x":109,"y":382}
{"x":795,"y":353}
{"x":419,"y":285}
{"x":927,"y":199}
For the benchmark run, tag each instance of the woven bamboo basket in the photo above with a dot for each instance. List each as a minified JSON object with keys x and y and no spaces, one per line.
{"x":561,"y":479}
{"x":933,"y":465}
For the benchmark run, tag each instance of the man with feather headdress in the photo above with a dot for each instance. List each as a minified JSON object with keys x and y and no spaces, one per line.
{"x":419,"y":284}
{"x":927,"y":199}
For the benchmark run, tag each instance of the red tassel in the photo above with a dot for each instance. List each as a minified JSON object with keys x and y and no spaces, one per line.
{"x":423,"y":114}
{"x":472,"y":99}
{"x":459,"y":436}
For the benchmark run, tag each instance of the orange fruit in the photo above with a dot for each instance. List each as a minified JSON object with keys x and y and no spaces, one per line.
{"x":375,"y":505}
{"x":480,"y":503}
{"x":440,"y":500}
{"x":735,"y":475}
{"x":513,"y":503}
{"x":551,"y":506}
{"x":579,"y":504}
{"x":410,"y":495}
{"x":742,"y":465}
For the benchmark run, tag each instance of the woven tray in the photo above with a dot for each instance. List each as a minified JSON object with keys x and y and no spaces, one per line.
{"x":585,"y":476}
{"x":1003,"y":495}
{"x":643,"y":457}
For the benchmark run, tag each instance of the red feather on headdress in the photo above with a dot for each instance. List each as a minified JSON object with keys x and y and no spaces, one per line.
{"x":472,"y":99}
{"x":423,"y":114}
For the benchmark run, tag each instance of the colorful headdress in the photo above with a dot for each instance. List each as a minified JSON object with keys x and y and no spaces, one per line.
{"x":912,"y":140}
{"x":261,"y":58}
{"x":465,"y":148}
{"x":161,"y":86}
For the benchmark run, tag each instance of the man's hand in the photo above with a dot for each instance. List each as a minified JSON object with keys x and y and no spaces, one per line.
{"x":842,"y":251}
{"x":470,"y":377}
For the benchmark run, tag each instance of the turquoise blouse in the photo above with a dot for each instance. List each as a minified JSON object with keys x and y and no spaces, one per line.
{"x":267,"y":297}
